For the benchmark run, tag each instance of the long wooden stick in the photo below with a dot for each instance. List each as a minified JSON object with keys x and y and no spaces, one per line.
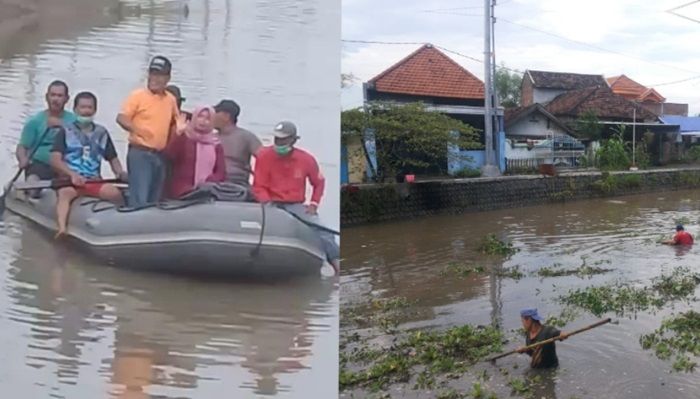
{"x":57,"y":183}
{"x":550,"y":340}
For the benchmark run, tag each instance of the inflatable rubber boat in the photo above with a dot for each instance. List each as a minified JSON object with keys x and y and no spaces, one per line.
{"x":195,"y":237}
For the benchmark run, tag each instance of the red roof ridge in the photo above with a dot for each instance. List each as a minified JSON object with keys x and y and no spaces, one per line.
{"x":400,"y":62}
{"x":413,"y":54}
{"x":400,"y":77}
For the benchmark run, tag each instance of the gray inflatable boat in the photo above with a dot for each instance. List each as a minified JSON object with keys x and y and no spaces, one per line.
{"x":205,"y":238}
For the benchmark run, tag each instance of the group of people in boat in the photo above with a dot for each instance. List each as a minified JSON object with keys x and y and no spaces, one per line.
{"x":171,"y":153}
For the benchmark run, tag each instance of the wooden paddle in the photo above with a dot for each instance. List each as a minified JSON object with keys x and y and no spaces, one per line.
{"x":59,"y":183}
{"x":550,"y":340}
{"x":20,"y":170}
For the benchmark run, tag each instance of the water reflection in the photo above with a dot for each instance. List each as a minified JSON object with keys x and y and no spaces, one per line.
{"x":154,"y":331}
{"x":79,"y":329}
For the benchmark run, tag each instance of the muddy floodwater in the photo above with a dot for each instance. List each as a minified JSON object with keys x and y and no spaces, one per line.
{"x":423,"y":262}
{"x":73,"y":328}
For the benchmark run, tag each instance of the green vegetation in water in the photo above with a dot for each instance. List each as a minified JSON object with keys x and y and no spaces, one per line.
{"x":450,"y":351}
{"x":680,"y":284}
{"x":511,"y":272}
{"x":491,"y":245}
{"x":461,"y":270}
{"x":584,"y":270}
{"x":619,"y":298}
{"x":450,"y":394}
{"x":623,"y":298}
{"x":519,"y":386}
{"x":478,"y":392}
{"x":382,"y":313}
{"x":566,"y":316}
{"x":678,"y":337}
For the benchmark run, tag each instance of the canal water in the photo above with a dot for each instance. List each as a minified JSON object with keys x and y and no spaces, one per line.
{"x":408,"y":259}
{"x":73,"y":328}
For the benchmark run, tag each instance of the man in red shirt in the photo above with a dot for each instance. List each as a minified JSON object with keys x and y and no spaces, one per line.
{"x":681,"y":237}
{"x":280,"y":176}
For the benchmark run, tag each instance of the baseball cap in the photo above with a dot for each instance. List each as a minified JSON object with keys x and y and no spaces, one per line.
{"x":160,"y":64}
{"x":228,"y":106}
{"x":285,"y":129}
{"x":175,"y":91}
{"x":531,"y":313}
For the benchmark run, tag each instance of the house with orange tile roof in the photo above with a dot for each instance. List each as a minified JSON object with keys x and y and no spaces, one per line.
{"x":431,"y":77}
{"x":648,"y":97}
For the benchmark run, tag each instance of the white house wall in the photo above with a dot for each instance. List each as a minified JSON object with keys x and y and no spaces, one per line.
{"x":534,"y":125}
{"x":544,"y":96}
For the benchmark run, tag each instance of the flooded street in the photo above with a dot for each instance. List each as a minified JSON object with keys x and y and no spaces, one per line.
{"x":73,"y":328}
{"x":411,"y":260}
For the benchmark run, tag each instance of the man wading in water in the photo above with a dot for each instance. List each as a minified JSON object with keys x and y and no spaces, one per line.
{"x":544,"y":356}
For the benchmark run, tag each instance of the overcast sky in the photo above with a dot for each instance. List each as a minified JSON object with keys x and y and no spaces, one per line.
{"x":609,"y":37}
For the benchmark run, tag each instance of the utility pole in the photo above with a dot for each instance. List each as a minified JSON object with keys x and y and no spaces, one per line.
{"x":634,"y":137}
{"x":489,"y":169}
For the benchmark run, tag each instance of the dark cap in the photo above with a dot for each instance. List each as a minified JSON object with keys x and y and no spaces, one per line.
{"x":160,"y":64}
{"x":230,"y":107}
{"x":679,"y":227}
{"x":175,"y":91}
{"x":285,"y":129}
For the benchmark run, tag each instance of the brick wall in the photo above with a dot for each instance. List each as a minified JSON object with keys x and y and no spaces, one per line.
{"x":526,"y":92}
{"x":378,"y":203}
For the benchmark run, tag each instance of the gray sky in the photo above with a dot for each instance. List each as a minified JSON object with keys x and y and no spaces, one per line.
{"x":609,"y":37}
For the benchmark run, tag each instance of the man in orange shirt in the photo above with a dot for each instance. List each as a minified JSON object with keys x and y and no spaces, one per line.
{"x":149,"y":115}
{"x":281,"y":172}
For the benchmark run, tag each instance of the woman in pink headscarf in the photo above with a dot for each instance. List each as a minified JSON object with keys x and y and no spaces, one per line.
{"x":196,"y":155}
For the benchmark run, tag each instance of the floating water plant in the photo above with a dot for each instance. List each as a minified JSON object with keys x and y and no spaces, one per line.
{"x":383,"y":313}
{"x":678,"y":337}
{"x":511,"y":272}
{"x":620,"y":298}
{"x":519,"y":386}
{"x":439,"y":353}
{"x":461,"y":270}
{"x":491,"y":245}
{"x":451,"y":394}
{"x":623,"y":298}
{"x":680,"y":284}
{"x":581,"y":271}
{"x":566,"y":316}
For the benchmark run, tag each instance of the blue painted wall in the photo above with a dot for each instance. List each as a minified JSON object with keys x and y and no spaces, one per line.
{"x":344,"y":170}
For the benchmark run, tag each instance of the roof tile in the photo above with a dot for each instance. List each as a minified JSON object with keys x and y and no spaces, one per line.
{"x":565,"y":80}
{"x":601,"y":100}
{"x":429,"y":72}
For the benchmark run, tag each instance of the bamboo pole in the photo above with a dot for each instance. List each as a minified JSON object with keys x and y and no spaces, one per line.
{"x":550,"y":340}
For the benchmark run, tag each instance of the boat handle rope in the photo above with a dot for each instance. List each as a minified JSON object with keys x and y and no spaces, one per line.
{"x":256,"y":251}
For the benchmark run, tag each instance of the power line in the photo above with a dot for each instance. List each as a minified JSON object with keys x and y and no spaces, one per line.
{"x":673,"y":11}
{"x":597,"y":47}
{"x":445,"y":49}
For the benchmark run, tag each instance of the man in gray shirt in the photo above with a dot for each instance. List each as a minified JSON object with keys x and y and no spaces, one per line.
{"x":239,"y":144}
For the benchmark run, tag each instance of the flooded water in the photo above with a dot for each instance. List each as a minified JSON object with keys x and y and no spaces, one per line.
{"x":73,"y":328}
{"x":407,"y":259}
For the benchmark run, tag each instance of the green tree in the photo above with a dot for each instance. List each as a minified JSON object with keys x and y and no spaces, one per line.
{"x":588,"y":126}
{"x":614,"y":154}
{"x":407,"y":135}
{"x":508,"y":86}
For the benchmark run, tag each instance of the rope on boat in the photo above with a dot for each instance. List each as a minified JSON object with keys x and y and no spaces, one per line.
{"x":256,"y":251}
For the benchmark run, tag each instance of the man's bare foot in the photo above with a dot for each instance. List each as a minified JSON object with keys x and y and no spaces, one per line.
{"x":59,"y":234}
